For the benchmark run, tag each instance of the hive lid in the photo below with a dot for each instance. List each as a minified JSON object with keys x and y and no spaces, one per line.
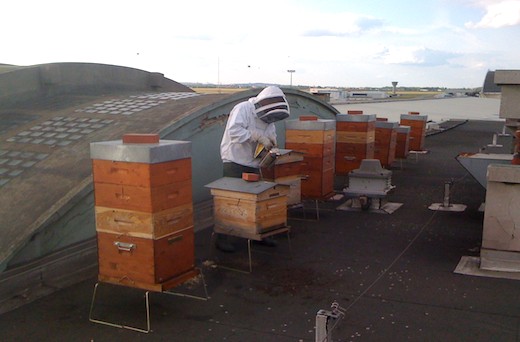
{"x":403,"y":129}
{"x":355,"y":117}
{"x":414,"y":117}
{"x":165,"y":150}
{"x":387,"y":124}
{"x":313,"y":125}
{"x":240,"y":185}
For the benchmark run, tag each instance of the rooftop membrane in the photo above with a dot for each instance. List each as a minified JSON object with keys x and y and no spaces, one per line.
{"x":393,"y":274}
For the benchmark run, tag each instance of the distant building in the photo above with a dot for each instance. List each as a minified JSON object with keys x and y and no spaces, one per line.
{"x":374,"y":94}
{"x":339,"y":95}
{"x":490,"y":89}
{"x":329,"y":94}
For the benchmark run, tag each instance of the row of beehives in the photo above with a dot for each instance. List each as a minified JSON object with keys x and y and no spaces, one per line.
{"x":336,"y":147}
{"x":143,"y":191}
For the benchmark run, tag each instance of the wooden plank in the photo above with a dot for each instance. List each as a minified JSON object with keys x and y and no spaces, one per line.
{"x":144,"y":199}
{"x":355,"y":137}
{"x":309,"y":137}
{"x":141,"y":174}
{"x":142,"y":224}
{"x":312,"y":150}
{"x":276,"y":191}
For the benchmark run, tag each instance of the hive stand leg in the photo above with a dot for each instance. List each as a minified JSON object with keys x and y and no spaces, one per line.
{"x":249,"y":254}
{"x":147,"y":305}
{"x":206,"y":297}
{"x":289,"y":243}
{"x":232,"y":268}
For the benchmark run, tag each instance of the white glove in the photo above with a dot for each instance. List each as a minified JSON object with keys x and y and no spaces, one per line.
{"x":266,"y":142}
{"x":255,"y":134}
{"x":258,"y":136}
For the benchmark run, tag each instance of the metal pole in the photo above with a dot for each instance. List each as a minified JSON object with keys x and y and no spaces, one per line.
{"x":322,"y":318}
{"x":446,"y":202}
{"x":291,"y":71}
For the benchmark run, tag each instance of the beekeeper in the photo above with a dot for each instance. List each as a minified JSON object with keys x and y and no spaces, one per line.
{"x":249,"y":123}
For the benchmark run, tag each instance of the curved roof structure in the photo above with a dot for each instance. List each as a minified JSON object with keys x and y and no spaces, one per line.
{"x":46,"y":199}
{"x":490,"y":88}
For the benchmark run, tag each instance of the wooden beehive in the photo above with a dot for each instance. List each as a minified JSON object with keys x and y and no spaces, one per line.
{"x":143,"y":224}
{"x":417,"y":124}
{"x":244,"y":208}
{"x":385,"y":143}
{"x":144,"y":211}
{"x":402,"y":146}
{"x":355,"y":137}
{"x":287,"y":170}
{"x":316,"y":140}
{"x":145,"y":263}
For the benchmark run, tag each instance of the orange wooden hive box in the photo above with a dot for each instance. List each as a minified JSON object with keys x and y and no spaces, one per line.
{"x":385,"y":143}
{"x":144,"y":263}
{"x":402,"y":146}
{"x":417,"y":124}
{"x":316,"y":140}
{"x":355,"y":136}
{"x":287,"y":169}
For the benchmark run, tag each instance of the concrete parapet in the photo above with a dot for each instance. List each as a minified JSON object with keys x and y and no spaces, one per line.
{"x":27,"y":83}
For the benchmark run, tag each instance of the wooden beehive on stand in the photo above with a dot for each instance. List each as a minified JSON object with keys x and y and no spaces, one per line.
{"x":248,"y":208}
{"x":355,"y":137}
{"x":287,"y":169}
{"x":402,"y":147}
{"x":385,"y":143}
{"x":144,"y":212}
{"x":315,"y":138}
{"x":417,"y":124}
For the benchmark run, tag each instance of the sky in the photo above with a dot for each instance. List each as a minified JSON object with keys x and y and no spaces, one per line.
{"x":328,"y":43}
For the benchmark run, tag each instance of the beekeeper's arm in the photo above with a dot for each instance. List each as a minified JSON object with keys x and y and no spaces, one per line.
{"x":241,"y":129}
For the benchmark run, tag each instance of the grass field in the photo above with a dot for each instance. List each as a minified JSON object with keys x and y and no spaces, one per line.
{"x":218,"y":90}
{"x":401,"y":94}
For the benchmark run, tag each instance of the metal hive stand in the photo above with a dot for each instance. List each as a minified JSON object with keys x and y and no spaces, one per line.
{"x":178,"y":281}
{"x":217,"y":229}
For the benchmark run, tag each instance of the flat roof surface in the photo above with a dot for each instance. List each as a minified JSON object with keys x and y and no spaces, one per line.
{"x":392,"y":273}
{"x":457,"y":108}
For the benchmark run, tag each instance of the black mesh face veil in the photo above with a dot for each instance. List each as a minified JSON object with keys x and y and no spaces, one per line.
{"x":272,"y":109}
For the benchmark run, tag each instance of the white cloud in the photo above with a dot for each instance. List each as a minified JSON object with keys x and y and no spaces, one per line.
{"x":498,"y":14}
{"x":337,"y":24}
{"x":413,"y":55}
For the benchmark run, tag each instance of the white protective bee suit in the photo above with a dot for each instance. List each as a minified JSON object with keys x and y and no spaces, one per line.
{"x":252,"y":122}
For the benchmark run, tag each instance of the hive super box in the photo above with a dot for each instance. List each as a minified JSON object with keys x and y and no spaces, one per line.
{"x":315,"y":138}
{"x":355,"y":137}
{"x":248,"y":209}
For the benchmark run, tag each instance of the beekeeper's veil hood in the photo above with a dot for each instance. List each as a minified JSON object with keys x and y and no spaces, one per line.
{"x":271,"y":105}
